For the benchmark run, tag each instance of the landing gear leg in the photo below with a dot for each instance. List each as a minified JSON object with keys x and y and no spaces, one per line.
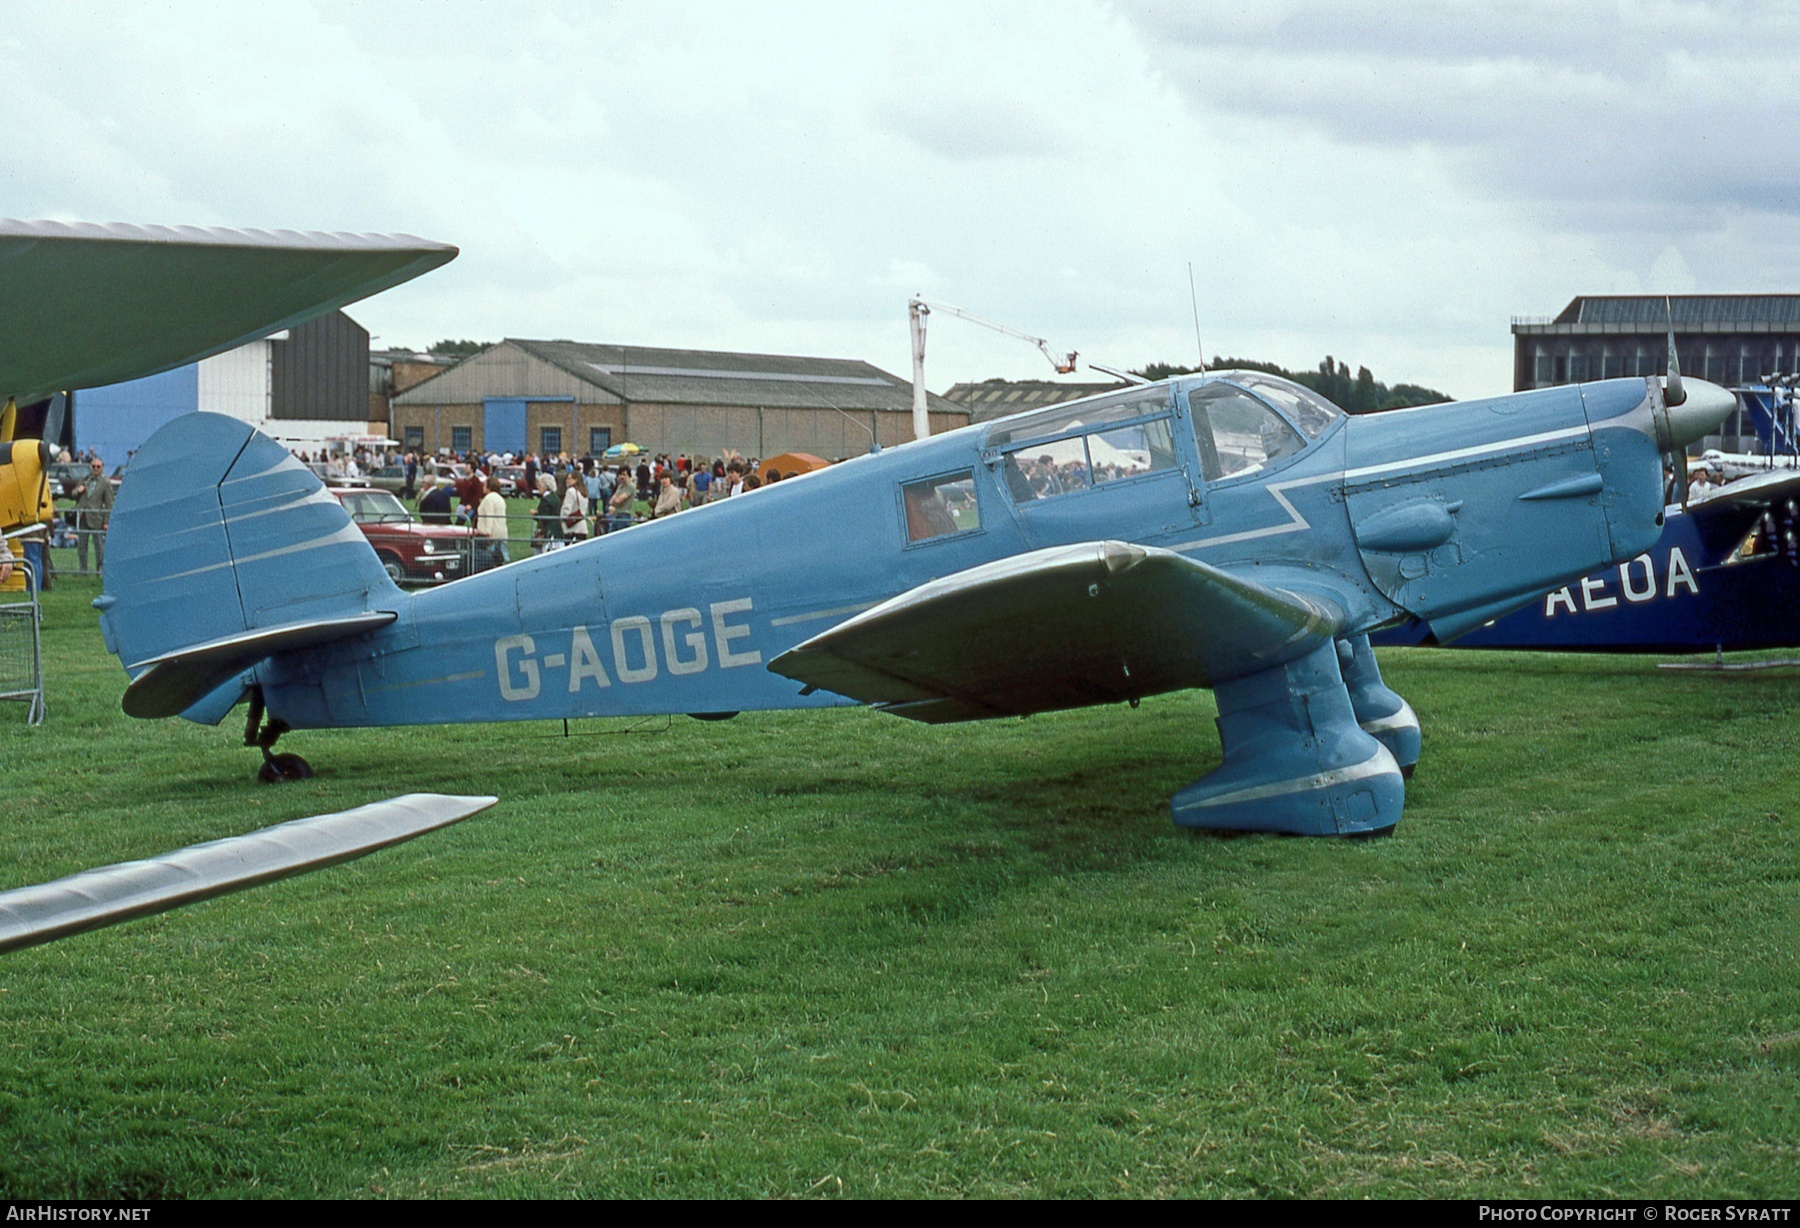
{"x":1296,"y":761}
{"x":1379,"y":710}
{"x":258,"y":733}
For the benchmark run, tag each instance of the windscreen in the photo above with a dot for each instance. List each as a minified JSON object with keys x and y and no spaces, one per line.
{"x":1238,"y":434}
{"x":1308,"y":410}
{"x":375,"y":507}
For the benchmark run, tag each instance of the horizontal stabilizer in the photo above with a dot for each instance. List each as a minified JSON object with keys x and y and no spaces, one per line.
{"x":173,"y":682}
{"x":83,"y":305}
{"x":1098,"y":622}
{"x":111,"y":894}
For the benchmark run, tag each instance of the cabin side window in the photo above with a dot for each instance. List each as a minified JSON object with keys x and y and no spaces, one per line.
{"x":1063,"y":466}
{"x":1075,"y":415}
{"x":1042,"y":470}
{"x":941,"y":506}
{"x":1129,"y":451}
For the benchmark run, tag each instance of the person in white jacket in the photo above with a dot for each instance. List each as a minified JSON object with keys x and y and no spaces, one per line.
{"x":490,"y":522}
{"x":575,"y":508}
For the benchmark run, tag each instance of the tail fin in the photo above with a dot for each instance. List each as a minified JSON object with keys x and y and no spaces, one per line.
{"x":223,"y":549}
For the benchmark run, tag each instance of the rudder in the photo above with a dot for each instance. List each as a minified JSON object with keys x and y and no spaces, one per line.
{"x":222,"y":549}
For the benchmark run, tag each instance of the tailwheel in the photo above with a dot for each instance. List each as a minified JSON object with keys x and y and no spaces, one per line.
{"x":277,"y":768}
{"x":263,"y":735}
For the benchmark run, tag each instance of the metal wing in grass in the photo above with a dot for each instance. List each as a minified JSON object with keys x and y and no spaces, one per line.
{"x":111,"y":894}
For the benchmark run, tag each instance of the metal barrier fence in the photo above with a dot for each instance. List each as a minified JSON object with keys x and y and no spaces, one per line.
{"x":73,"y":551}
{"x":454,"y":557}
{"x":21,"y":647}
{"x":415,"y":554}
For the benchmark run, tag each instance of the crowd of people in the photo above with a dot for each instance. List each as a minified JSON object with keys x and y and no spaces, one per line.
{"x":574,"y":499}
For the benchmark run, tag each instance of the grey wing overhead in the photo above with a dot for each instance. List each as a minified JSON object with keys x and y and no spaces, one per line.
{"x":83,"y":305}
{"x":111,"y":894}
{"x":1065,"y":627}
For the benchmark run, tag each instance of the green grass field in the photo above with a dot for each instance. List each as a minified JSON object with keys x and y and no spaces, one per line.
{"x":838,"y":953}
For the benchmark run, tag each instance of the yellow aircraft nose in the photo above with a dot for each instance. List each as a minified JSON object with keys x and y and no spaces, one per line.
{"x":24,"y":495}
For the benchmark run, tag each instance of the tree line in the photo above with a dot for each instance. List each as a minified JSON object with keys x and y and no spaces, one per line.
{"x":1331,"y":380}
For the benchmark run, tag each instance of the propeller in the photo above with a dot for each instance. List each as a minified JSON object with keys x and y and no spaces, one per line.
{"x":1688,"y":412}
{"x":1674,"y":394}
{"x":54,"y":414}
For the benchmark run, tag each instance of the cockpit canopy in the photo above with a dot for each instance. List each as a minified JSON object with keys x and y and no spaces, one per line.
{"x":1243,"y":421}
{"x":1305,"y":408}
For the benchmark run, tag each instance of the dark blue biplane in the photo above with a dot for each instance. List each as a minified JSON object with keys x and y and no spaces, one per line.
{"x":1723,"y":577}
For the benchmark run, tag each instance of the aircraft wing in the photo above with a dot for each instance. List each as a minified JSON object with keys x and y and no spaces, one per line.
{"x":111,"y":894}
{"x":1757,"y":490}
{"x":1723,"y":518}
{"x":83,"y":305}
{"x":1066,"y":627}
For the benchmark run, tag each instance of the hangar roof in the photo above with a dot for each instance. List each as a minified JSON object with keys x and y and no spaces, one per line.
{"x":646,"y":375}
{"x":995,"y":398}
{"x":1632,"y":313}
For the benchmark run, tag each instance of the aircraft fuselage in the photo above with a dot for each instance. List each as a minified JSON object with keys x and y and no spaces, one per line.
{"x":1436,"y":512}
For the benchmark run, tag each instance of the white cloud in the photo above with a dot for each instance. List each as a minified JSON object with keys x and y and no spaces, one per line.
{"x":1379,"y":182}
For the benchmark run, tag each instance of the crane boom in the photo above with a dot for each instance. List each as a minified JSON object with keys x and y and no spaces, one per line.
{"x":918,"y":309}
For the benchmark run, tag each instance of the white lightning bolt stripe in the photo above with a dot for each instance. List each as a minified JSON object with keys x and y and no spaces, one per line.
{"x":1296,"y":522}
{"x":1438,"y":458}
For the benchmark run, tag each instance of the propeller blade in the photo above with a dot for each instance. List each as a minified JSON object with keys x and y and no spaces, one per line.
{"x":1679,"y":461}
{"x":111,"y":894}
{"x":1673,"y":393}
{"x":53,"y":420}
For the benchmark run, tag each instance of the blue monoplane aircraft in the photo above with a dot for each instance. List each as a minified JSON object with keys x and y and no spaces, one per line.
{"x":1228,"y":530}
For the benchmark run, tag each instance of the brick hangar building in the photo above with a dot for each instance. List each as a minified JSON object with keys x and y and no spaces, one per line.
{"x":567,"y":396}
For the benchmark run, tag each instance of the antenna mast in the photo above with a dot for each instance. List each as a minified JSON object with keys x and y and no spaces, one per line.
{"x":1195,"y":300}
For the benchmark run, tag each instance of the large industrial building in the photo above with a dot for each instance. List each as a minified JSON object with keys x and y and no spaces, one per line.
{"x":996,"y":398}
{"x":394,"y":371}
{"x":1733,"y":340}
{"x":301,"y":386}
{"x":578,"y":398}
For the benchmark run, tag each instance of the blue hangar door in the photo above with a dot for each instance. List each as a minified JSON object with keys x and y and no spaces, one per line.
{"x":503,"y":424}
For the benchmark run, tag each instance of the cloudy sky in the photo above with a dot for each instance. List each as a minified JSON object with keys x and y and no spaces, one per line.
{"x":1387,"y":182}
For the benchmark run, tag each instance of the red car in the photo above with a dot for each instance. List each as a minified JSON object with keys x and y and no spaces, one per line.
{"x":409,"y":550}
